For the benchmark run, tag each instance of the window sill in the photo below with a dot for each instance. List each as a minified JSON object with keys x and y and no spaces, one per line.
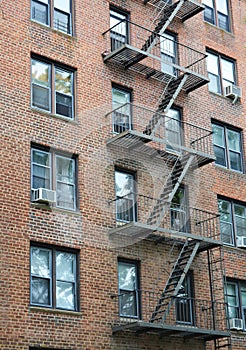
{"x":54,"y":311}
{"x":225,"y":98}
{"x":229,"y":171}
{"x":53,"y":208}
{"x":63,"y":34}
{"x":220,"y":29}
{"x":48,"y":114}
{"x":234,"y":248}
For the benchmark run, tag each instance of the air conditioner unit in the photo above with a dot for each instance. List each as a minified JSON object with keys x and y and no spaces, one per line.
{"x":241,"y":241}
{"x":42,"y":195}
{"x":233,"y":91}
{"x":236,"y":323}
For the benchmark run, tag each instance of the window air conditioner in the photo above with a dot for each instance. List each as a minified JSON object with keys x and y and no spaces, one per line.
{"x":241,"y":241}
{"x":233,"y":91}
{"x":236,"y":323}
{"x":42,"y":195}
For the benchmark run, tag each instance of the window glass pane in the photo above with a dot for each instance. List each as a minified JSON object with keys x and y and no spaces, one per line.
{"x":225,"y":221}
{"x":227,"y":68}
{"x":222,"y":6}
{"x":235,"y":161}
{"x":65,"y":295}
{"x":223,"y":22}
{"x":243,"y":294}
{"x":214,"y":84}
{"x":65,"y":266}
{"x":218,"y":135}
{"x":118,"y":32}
{"x":61,"y":21}
{"x":65,"y":169}
{"x":127,"y":276}
{"x":212,"y":64}
{"x":240,"y":210}
{"x":167,"y":44}
{"x":123,"y":183}
{"x":208,"y":3}
{"x":128,"y":304}
{"x":122,"y":116}
{"x":65,"y":196}
{"x":40,"y":157}
{"x":40,"y":73}
{"x":225,"y":210}
{"x":209,"y":15}
{"x":40,"y":169}
{"x":64,"y":105}
{"x":233,"y":140}
{"x":63,"y":81}
{"x":240,"y":220}
{"x":40,"y":262}
{"x":63,"y":5}
{"x":40,"y":11}
{"x":220,"y":155}
{"x":40,"y":291}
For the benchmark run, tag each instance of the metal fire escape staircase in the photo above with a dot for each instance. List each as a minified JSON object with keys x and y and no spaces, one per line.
{"x":175,"y":280}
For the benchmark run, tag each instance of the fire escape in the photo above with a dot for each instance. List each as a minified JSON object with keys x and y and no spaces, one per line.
{"x":149,"y":132}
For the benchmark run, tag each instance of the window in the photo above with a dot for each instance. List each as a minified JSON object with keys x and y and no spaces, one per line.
{"x":54,"y":278}
{"x":54,"y":13}
{"x":119,"y":29}
{"x":184,"y":301}
{"x":227,"y":147}
{"x":128,"y":285}
{"x":55,"y":172}
{"x":216,"y":12}
{"x":179,"y":210}
{"x":173,"y":128}
{"x":122,"y":119}
{"x":168,"y":53}
{"x":236,"y":298}
{"x":232,"y":220}
{"x":125,"y":197}
{"x":221,"y":72}
{"x":52,"y":88}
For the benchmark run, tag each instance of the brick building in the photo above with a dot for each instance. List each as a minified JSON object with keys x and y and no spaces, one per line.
{"x":123,"y":211}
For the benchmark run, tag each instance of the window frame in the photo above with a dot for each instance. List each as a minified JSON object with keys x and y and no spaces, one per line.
{"x":216,"y":15}
{"x":220,"y":59}
{"x":51,"y":15}
{"x":116,"y":13}
{"x":118,"y":126}
{"x":52,"y":90}
{"x":53,"y":154}
{"x":171,"y":37}
{"x":53,"y":276}
{"x":132,"y":198}
{"x":226,"y":147}
{"x":136,"y":291}
{"x":232,"y":222}
{"x":239,"y":308}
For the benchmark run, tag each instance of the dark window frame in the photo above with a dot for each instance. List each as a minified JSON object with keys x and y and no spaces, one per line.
{"x":240,"y":309}
{"x":119,"y":127}
{"x":134,"y":212}
{"x":50,"y":15}
{"x":219,"y":76}
{"x":52,"y":104}
{"x":216,"y":16}
{"x":232,"y":203}
{"x":53,"y":154}
{"x":185,"y":305}
{"x":115,"y":44}
{"x":137,"y":290}
{"x":226,"y":148}
{"x":54,"y":249}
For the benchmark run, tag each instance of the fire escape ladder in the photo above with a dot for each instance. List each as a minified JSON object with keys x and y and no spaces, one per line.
{"x":171,"y":92}
{"x":171,"y":186}
{"x":223,"y":343}
{"x":175,"y":280}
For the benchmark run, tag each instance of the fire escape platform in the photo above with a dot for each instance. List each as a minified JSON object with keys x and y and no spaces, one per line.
{"x":133,"y":139}
{"x":129,"y":55}
{"x":189,"y":9}
{"x":136,"y":231}
{"x":170,"y":330}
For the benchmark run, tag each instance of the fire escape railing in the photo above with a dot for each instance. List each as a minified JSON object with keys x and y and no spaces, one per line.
{"x":136,"y":208}
{"x":132,"y":38}
{"x":175,"y":134}
{"x":184,"y":311}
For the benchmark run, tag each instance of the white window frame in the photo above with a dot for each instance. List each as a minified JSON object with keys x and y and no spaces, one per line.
{"x":239,"y":307}
{"x":217,"y":14}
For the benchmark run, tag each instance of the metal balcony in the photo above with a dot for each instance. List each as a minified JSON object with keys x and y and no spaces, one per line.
{"x":127,"y":128}
{"x":131,"y":221}
{"x":187,"y":318}
{"x":188,"y":9}
{"x":151,"y":54}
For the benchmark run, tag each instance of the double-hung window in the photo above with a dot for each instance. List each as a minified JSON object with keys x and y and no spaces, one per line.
{"x":56,"y":172}
{"x":184,"y":301}
{"x":53,"y":13}
{"x":173,"y":129}
{"x":128,"y":286}
{"x":125,"y":197}
{"x":119,"y":29}
{"x":221,"y":72}
{"x":52,"y":88}
{"x":217,"y":13}
{"x":227,"y":147}
{"x":168,"y":53}
{"x":232,"y":220}
{"x":122,"y":119}
{"x":235,"y":293}
{"x":179,"y":210}
{"x":54,"y":278}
